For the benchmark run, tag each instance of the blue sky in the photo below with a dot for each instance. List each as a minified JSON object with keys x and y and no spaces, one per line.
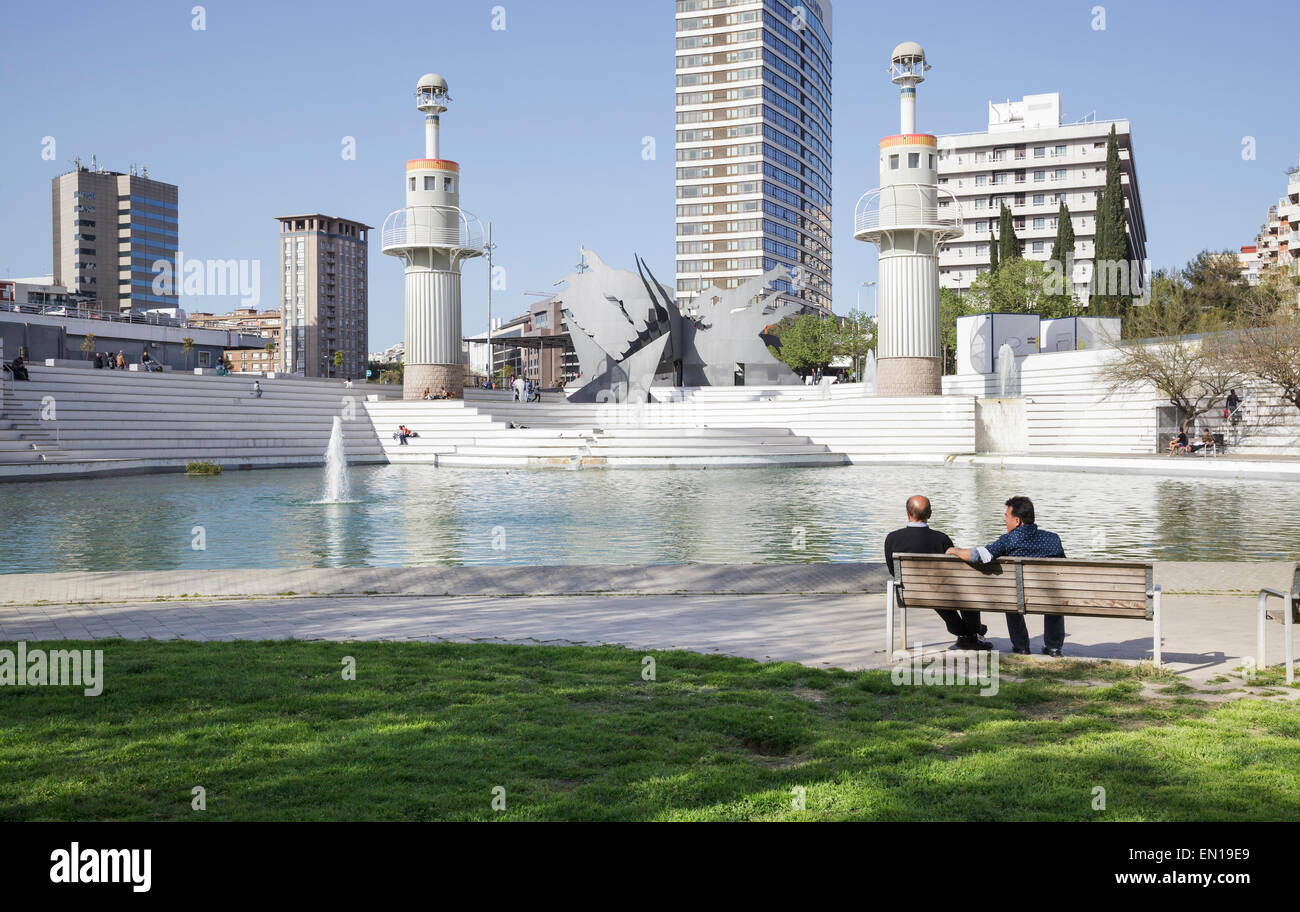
{"x":248,"y":117}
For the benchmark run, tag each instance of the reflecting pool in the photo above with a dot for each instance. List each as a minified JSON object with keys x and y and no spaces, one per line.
{"x":422,"y":515}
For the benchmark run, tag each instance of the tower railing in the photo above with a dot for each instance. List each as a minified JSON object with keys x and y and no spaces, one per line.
{"x":906,"y":206}
{"x":431,"y":226}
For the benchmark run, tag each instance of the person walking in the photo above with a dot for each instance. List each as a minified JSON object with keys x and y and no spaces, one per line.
{"x":257,"y":388}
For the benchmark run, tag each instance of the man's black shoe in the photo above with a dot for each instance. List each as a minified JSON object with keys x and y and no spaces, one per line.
{"x":984,"y":628}
{"x":1054,"y":653}
{"x":971,"y":644}
{"x":1021,"y":651}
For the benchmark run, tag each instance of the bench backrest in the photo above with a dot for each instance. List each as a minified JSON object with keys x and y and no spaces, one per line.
{"x":1028,"y":585}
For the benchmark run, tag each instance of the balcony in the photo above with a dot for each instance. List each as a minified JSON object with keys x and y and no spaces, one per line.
{"x":445,"y":227}
{"x":904,"y":207}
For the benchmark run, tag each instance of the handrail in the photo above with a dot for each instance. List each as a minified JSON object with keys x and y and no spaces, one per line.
{"x":1289,"y":609}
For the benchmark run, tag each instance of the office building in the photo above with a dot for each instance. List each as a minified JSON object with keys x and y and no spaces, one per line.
{"x":1030,"y":161}
{"x":323,"y":295}
{"x":754,"y":146}
{"x":112,"y":233}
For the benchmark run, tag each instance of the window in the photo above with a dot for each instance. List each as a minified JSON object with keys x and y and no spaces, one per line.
{"x":931,"y":160}
{"x":1000,"y":178}
{"x":1040,"y":152}
{"x":1040,"y":223}
{"x":448,"y":184}
{"x":1060,"y":174}
{"x":1038,"y":246}
{"x":981,"y":180}
{"x":430,"y":183}
{"x":412,"y":183}
{"x":893,"y":162}
{"x":1040,"y":176}
{"x":1060,"y":151}
{"x":1039,"y":199}
{"x":913,"y":159}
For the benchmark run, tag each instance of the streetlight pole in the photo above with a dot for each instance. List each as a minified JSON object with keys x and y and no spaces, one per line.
{"x":489,"y":247}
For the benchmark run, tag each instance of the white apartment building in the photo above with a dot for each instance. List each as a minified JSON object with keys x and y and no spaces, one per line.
{"x":1278,"y":241}
{"x":754,"y":146}
{"x":1030,"y":160}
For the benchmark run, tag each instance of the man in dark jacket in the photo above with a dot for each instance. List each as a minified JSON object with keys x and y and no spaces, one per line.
{"x":918,"y":538}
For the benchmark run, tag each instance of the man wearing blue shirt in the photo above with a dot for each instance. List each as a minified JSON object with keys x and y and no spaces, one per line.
{"x":1023,"y":539}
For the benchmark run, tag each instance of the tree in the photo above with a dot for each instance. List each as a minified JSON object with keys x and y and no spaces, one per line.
{"x":87,"y":345}
{"x":187,"y":346}
{"x":1063,"y":246}
{"x":1008,"y":243}
{"x":1271,"y":352}
{"x":1111,"y":263}
{"x":855,"y":338}
{"x":1178,"y":348}
{"x":951,"y":306}
{"x":1017,"y":287}
{"x":808,"y":343}
{"x":338,"y":360}
{"x":993,"y":250}
{"x":1215,"y":281}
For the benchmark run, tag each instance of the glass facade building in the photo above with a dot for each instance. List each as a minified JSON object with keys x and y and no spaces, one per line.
{"x":754,"y":146}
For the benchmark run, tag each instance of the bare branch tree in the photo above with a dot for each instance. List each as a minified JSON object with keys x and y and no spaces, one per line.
{"x":1180,"y":349}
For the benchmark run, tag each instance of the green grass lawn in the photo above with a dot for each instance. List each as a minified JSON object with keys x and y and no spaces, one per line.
{"x":271,"y":731}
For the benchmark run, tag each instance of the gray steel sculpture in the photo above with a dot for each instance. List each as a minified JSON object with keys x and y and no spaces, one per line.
{"x":721,"y":335}
{"x":626,"y":328}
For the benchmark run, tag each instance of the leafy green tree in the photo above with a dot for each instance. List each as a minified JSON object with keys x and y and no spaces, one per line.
{"x":808,"y":343}
{"x":951,"y":306}
{"x":1215,"y":282}
{"x":1008,"y":243}
{"x":993,"y":250}
{"x":1019,"y":286}
{"x":87,"y":345}
{"x":856,"y":338}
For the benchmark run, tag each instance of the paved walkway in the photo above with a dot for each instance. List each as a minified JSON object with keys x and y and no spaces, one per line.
{"x":1204,"y":634}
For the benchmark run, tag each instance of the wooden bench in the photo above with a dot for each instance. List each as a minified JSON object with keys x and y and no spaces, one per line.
{"x":1289,"y":616}
{"x":1024,"y":585}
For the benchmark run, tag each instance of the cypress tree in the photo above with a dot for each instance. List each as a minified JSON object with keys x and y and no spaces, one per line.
{"x":1112,"y":238}
{"x":993,"y":251}
{"x":1009,"y":244}
{"x":1063,"y":247}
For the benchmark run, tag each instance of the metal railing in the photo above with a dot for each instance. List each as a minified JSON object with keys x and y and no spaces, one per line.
{"x":88,"y":313}
{"x":432,"y":226}
{"x":907,"y":206}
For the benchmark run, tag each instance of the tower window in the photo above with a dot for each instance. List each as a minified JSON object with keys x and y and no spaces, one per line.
{"x":893,"y":162}
{"x":430,"y":183}
{"x":447,"y":184}
{"x":412,"y":183}
{"x":913,"y":159}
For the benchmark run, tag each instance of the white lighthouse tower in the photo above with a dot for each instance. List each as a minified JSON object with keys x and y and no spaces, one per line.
{"x":433,"y":236}
{"x":904,"y":219}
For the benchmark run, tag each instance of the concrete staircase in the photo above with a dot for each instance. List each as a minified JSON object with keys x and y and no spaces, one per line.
{"x":144,"y":421}
{"x":24,"y":439}
{"x":478,"y":432}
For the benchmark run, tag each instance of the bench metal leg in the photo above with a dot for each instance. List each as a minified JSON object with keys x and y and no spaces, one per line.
{"x":1264,"y":596}
{"x":1155,"y":618}
{"x":889,"y":620}
{"x":902,"y":623}
{"x":1260,"y":660}
{"x":1290,"y":654}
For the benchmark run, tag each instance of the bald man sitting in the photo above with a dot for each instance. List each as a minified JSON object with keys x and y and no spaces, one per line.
{"x":918,"y":538}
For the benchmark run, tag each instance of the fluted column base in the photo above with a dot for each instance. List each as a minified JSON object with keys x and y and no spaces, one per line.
{"x":417,"y":377}
{"x":908,"y":377}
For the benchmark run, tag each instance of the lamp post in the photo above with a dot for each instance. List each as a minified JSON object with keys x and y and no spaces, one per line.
{"x":865,"y":285}
{"x":489,"y":247}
